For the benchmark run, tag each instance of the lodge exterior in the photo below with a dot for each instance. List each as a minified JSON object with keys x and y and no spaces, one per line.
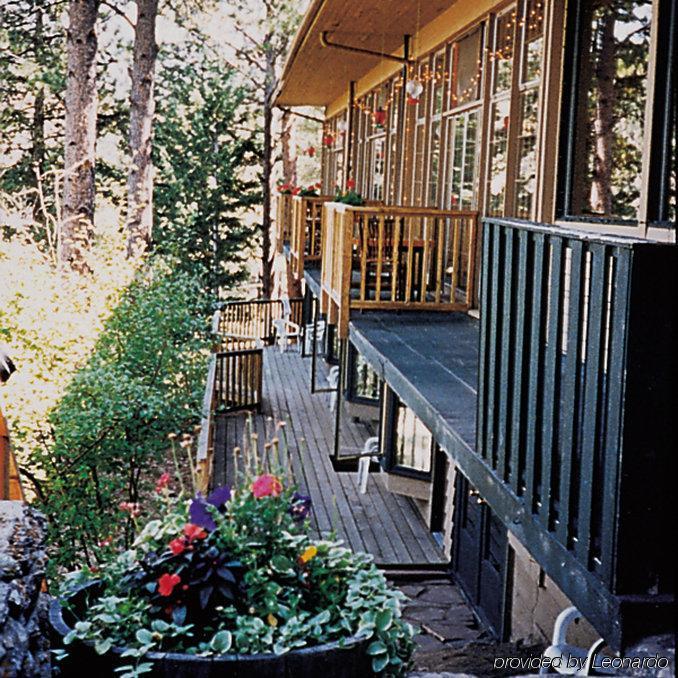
{"x":504,"y":305}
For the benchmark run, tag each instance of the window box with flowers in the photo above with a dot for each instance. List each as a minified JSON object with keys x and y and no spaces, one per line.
{"x":232,"y":584}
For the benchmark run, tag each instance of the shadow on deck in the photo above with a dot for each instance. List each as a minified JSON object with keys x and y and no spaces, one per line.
{"x":383,"y":524}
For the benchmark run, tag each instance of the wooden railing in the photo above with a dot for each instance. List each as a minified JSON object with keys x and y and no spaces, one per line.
{"x":306,"y":238}
{"x":252,"y":320}
{"x":283,"y":219}
{"x":234,"y":382}
{"x":576,"y":404}
{"x":395,"y":258}
{"x":238,"y":380}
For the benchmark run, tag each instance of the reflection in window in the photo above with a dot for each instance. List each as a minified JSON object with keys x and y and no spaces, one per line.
{"x":533,"y":26}
{"x":377,"y":192}
{"x":434,"y":164}
{"x":413,"y":442}
{"x":463,"y":170}
{"x":612,"y":74}
{"x":365,"y":381}
{"x":527,"y":153}
{"x":499,"y":126}
{"x":502,"y":52}
{"x":467,"y":70}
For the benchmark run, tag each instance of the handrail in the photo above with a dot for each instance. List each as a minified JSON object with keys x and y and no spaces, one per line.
{"x":305,"y":241}
{"x":205,"y":451}
{"x":254,"y":318}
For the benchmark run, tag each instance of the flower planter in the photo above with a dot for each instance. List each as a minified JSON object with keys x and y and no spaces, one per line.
{"x":330,"y":660}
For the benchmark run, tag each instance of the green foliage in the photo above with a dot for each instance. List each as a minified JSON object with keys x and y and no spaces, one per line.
{"x":143,"y":380}
{"x":206,"y":167}
{"x":291,"y":591}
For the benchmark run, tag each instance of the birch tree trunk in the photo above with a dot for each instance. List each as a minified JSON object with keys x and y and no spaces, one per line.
{"x":139,"y":224}
{"x":77,"y":216}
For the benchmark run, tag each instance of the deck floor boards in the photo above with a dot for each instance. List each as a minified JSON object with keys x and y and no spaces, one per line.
{"x":384,"y":524}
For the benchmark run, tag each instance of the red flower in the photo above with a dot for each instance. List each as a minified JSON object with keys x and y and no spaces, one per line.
{"x":328,"y":140}
{"x":350,"y":184}
{"x":379,"y":117}
{"x":266,"y":486}
{"x":311,"y":151}
{"x":412,"y":101}
{"x":166,"y":584}
{"x":177,"y":546}
{"x":296,"y":190}
{"x":193,"y":532}
{"x":162,"y":482}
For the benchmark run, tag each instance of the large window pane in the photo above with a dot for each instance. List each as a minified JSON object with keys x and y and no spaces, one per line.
{"x":612,"y":74}
{"x":413,"y":441}
{"x":527,"y":153}
{"x":365,"y":381}
{"x":434,"y":165}
{"x":499,"y":126}
{"x":463,"y":167}
{"x":502,"y":53}
{"x":467,"y":70}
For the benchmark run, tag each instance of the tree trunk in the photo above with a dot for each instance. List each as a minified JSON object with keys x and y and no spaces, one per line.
{"x":289,"y":162}
{"x":603,"y":124}
{"x":139,"y":223}
{"x":267,"y":169}
{"x":77,"y":218}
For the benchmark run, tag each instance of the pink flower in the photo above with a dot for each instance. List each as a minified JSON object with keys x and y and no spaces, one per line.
{"x":266,"y":485}
{"x":350,"y":184}
{"x":132,"y":508}
{"x":162,"y":482}
{"x":166,"y":584}
{"x":193,"y":532}
{"x":177,"y":546}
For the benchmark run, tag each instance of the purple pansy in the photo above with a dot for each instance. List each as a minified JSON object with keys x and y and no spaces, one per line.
{"x":300,"y":507}
{"x":199,"y":510}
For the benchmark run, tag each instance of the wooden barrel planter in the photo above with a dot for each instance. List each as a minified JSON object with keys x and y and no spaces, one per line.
{"x":330,"y":660}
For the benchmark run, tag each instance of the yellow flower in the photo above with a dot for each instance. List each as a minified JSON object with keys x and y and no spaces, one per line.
{"x":309,"y":553}
{"x":272,"y":621}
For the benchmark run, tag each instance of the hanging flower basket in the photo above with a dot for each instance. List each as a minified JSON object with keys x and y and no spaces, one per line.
{"x":233,"y":584}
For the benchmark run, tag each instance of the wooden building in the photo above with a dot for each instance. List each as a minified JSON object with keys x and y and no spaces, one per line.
{"x":504,"y":304}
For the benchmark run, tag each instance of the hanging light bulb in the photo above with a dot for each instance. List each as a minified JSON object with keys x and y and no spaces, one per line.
{"x":342,"y":126}
{"x":414,"y":89}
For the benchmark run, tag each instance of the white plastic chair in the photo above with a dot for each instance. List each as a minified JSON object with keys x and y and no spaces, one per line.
{"x":561,"y":649}
{"x":333,"y":381}
{"x":285,"y":329}
{"x":369,"y":454}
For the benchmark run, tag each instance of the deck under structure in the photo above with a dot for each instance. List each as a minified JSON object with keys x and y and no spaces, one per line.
{"x":384,"y":524}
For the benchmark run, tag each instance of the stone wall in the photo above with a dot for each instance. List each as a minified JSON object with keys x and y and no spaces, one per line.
{"x":24,"y":645}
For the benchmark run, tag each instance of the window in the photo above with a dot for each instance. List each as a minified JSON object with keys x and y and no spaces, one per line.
{"x":462,"y":173}
{"x":364,"y":383}
{"x":608,"y":174}
{"x":516,"y":60}
{"x":413,"y":441}
{"x":408,"y":444}
{"x":463,"y":126}
{"x":501,"y":59}
{"x":437,"y":76}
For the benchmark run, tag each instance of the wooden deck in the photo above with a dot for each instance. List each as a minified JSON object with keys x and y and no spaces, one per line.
{"x":381,"y":523}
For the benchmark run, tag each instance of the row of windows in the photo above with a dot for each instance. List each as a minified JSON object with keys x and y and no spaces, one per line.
{"x":472,"y":138}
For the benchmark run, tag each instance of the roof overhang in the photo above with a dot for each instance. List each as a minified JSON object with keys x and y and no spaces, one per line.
{"x":316,"y":75}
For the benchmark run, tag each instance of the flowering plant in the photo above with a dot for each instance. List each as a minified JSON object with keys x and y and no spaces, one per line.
{"x":350,"y":196}
{"x":239,"y":571}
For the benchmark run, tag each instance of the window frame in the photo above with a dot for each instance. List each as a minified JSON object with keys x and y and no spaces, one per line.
{"x":389,"y":437}
{"x":658,"y":121}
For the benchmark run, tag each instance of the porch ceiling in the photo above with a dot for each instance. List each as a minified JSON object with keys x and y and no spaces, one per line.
{"x":315,"y":75}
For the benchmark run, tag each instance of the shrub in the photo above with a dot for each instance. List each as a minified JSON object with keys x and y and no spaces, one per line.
{"x":143,"y":380}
